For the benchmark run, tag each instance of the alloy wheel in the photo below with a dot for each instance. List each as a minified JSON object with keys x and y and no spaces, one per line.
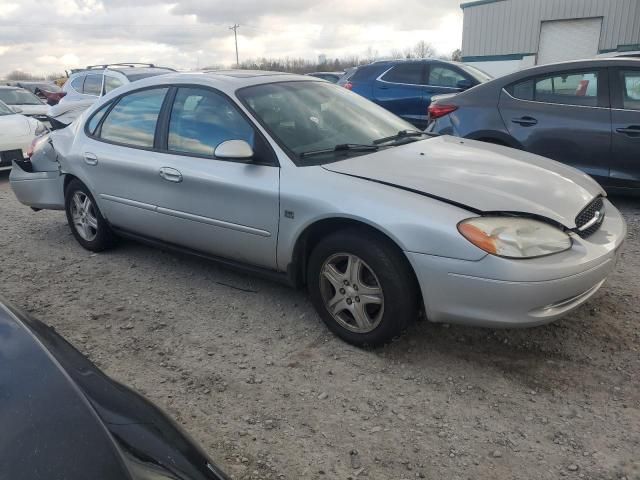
{"x":351,"y":292}
{"x":84,"y":216}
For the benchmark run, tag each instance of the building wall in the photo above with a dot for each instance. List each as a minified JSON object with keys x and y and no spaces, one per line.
{"x":511,"y":28}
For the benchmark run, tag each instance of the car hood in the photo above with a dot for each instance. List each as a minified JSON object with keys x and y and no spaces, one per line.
{"x":33,"y":109}
{"x":479,"y":176}
{"x":14,"y":126}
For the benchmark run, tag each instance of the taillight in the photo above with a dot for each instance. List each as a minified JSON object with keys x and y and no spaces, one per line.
{"x":348,"y":85}
{"x":437,"y":111}
{"x":35,"y":143}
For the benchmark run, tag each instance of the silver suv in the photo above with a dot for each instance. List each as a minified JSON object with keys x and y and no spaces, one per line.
{"x":86,"y":85}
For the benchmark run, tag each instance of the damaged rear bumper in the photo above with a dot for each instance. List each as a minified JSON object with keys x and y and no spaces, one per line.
{"x":40,"y":190}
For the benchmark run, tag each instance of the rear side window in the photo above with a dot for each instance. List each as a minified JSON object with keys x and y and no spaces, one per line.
{"x":631,"y":89}
{"x":111,"y":83}
{"x":133,"y":120}
{"x":409,"y":73}
{"x":92,"y":85}
{"x":77,"y":82}
{"x":358,"y":74}
{"x":569,"y":88}
{"x":444,"y":77}
{"x":201,"y":120}
{"x":95,"y":119}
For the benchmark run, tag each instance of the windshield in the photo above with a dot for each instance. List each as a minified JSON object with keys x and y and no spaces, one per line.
{"x":478,"y":74}
{"x":309,"y":116}
{"x":18,"y":97}
{"x":5,"y":110}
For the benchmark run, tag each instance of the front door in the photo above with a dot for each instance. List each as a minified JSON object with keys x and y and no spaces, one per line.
{"x":625,"y":117}
{"x":563,"y":116}
{"x":224,"y":207}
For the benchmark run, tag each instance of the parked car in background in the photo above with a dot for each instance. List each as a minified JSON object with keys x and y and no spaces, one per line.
{"x":85,"y":86}
{"x":23,"y":101}
{"x":62,"y":417}
{"x":405,"y":87}
{"x":39,"y":88}
{"x":583,"y":113}
{"x":348,"y":73}
{"x":16,"y":134}
{"x":311,"y":184}
{"x":332,"y":77}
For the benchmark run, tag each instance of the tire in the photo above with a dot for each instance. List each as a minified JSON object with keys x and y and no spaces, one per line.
{"x":87,"y":224}
{"x":368,"y":283}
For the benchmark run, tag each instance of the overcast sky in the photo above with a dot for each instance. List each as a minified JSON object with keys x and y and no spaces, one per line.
{"x":42,"y":36}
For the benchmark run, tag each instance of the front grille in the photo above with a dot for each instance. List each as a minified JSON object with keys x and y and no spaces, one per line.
{"x":7,"y":156}
{"x":590,"y":218}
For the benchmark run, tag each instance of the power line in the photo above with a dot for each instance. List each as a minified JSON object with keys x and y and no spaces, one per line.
{"x":235,"y":34}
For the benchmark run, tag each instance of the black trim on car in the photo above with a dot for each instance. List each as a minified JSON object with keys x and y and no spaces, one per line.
{"x":281,"y":277}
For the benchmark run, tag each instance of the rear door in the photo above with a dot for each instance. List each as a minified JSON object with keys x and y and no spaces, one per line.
{"x":625,"y":117}
{"x":120,"y":162}
{"x":564,"y":116}
{"x":400,"y":89}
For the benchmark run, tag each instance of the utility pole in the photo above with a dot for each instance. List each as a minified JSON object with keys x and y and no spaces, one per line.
{"x":235,"y":34}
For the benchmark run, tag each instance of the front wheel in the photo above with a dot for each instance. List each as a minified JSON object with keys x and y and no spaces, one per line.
{"x":362,"y":287}
{"x":87,"y":224}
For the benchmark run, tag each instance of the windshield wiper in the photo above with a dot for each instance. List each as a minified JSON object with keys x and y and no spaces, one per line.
{"x":342,"y":147}
{"x":401,"y":135}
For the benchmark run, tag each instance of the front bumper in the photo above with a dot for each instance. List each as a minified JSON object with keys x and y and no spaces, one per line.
{"x":499,"y":292}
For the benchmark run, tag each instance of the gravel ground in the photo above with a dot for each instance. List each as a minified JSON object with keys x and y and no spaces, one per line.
{"x":247,"y":367}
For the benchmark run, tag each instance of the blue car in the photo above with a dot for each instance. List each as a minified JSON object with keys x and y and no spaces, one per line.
{"x":405,"y":87}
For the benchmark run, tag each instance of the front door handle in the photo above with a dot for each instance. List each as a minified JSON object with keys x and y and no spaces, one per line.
{"x":525,"y":121}
{"x":383,"y":87}
{"x":631,"y":131}
{"x":170,"y":174}
{"x":90,"y":158}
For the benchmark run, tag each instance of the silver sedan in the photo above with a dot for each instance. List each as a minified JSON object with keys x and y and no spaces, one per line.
{"x":306,"y":182}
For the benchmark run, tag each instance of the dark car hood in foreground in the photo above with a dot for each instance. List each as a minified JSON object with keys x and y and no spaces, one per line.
{"x":479,"y":176}
{"x":62,"y":418}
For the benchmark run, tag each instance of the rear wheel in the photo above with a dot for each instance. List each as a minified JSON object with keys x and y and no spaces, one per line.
{"x":87,"y":224}
{"x":362,"y":287}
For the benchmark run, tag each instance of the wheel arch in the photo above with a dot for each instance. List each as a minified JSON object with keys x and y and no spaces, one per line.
{"x":313,"y":233}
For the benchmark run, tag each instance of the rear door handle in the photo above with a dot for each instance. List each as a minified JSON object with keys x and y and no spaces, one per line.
{"x":383,"y":87}
{"x":90,"y":158}
{"x":631,"y":131}
{"x":170,"y":174}
{"x":525,"y":121}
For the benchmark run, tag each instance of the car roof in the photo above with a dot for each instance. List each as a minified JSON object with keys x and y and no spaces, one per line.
{"x":227,"y":81}
{"x":10,"y":87}
{"x":571,"y":65}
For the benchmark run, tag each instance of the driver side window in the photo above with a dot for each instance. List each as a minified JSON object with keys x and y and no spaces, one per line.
{"x":202,"y":119}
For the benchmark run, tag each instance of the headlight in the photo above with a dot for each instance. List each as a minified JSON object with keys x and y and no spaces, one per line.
{"x":514,"y":237}
{"x":40,"y":129}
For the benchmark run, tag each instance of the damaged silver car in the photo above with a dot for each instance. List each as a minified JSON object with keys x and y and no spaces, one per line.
{"x":306,"y":182}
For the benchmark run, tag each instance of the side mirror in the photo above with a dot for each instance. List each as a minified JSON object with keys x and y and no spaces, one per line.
{"x":464,"y":84}
{"x":16,"y":109}
{"x":234,"y":149}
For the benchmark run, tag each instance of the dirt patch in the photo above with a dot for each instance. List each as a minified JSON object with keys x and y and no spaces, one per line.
{"x":249,"y":370}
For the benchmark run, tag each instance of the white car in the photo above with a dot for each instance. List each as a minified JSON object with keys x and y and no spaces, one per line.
{"x":16,"y":134}
{"x":21,"y":100}
{"x":86,"y":86}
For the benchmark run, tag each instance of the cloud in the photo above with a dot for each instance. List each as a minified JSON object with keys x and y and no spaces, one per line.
{"x":190,"y":33}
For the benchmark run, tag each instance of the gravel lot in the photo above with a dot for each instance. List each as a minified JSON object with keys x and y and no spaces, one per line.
{"x":247,"y":367}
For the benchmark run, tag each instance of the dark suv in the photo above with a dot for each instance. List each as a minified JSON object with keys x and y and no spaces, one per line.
{"x":405,"y":87}
{"x":584,"y":113}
